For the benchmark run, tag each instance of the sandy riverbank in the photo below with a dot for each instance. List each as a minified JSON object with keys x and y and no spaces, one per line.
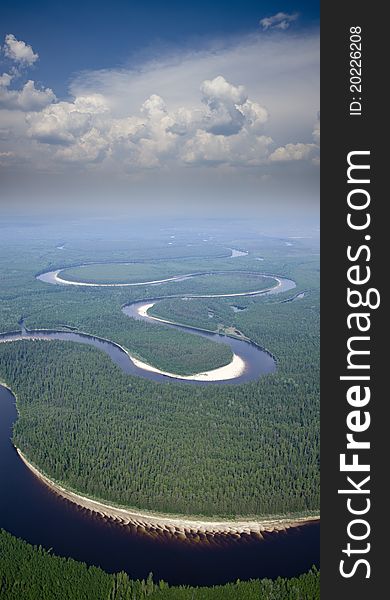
{"x":230,"y":371}
{"x":58,"y":279}
{"x":181,"y":528}
{"x":55,"y":277}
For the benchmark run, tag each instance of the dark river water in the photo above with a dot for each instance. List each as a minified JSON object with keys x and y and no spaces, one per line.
{"x":30,"y":510}
{"x":258,"y":362}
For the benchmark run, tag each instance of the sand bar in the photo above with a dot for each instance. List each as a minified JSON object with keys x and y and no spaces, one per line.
{"x":181,"y":527}
{"x":234,"y":369}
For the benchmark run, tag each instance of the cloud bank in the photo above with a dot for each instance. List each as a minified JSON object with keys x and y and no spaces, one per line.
{"x":244,"y":109}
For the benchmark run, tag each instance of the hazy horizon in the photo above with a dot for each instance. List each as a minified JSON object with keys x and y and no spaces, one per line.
{"x":213,"y":117}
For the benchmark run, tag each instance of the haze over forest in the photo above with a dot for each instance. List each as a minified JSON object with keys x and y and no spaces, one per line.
{"x":159,"y":321}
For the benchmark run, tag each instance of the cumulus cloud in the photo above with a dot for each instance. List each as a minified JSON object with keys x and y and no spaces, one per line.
{"x":224,"y":128}
{"x":220,"y":90}
{"x":223,"y":100}
{"x":91,"y":147}
{"x":293,"y":152}
{"x":18,"y":51}
{"x":202,"y":111}
{"x":65,"y":123}
{"x":5,"y":80}
{"x":29,"y":98}
{"x":300,"y":151}
{"x":237,"y":150}
{"x":229,"y":130}
{"x":280,"y":20}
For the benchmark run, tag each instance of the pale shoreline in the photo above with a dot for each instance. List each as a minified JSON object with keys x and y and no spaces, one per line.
{"x":181,"y":528}
{"x":57,"y":279}
{"x":232,"y":370}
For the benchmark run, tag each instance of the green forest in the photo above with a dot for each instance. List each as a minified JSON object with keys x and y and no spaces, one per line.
{"x":171,"y":448}
{"x":215,"y":283}
{"x":31,"y":573}
{"x":250,"y":449}
{"x":226,"y":451}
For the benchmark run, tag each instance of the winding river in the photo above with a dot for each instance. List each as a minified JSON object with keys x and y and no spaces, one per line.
{"x":249,"y":360}
{"x":191,"y":552}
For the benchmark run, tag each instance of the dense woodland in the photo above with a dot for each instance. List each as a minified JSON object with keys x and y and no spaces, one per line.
{"x":251,"y":449}
{"x":175,"y":448}
{"x":215,"y":283}
{"x":98,"y":310}
{"x":32,"y":573}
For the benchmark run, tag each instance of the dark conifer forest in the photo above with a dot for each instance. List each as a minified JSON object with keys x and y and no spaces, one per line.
{"x":31,"y":573}
{"x":226,"y":451}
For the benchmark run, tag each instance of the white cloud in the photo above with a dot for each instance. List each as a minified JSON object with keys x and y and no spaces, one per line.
{"x":236,"y":150}
{"x":224,"y":128}
{"x":228,"y":131}
{"x":269,"y":72}
{"x":66,"y":122}
{"x":91,"y":147}
{"x":5,"y":80}
{"x":215,"y":110}
{"x":29,"y":98}
{"x":316,"y":130}
{"x":300,"y":151}
{"x":222,"y":100}
{"x":255,"y":115}
{"x":280,"y":20}
{"x":154,"y":107}
{"x":18,"y":51}
{"x":293,"y":152}
{"x":220,"y":90}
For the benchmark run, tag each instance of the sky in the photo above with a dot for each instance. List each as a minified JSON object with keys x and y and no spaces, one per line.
{"x":174,"y":107}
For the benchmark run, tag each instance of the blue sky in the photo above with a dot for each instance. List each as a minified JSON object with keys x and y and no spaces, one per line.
{"x":95,"y":35}
{"x":153,"y":97}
